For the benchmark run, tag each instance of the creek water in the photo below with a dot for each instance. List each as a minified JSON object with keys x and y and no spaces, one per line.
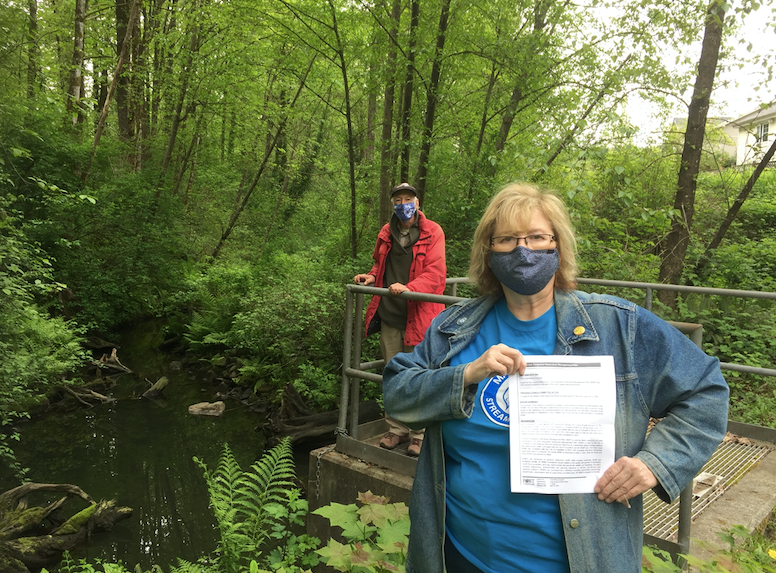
{"x":139,"y":452}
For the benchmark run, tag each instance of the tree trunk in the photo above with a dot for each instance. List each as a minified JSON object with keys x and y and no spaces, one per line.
{"x":340,"y":50}
{"x":195,"y":141}
{"x":141,"y":86}
{"x":506,"y":123}
{"x":32,"y":48}
{"x":119,"y":65}
{"x":74,"y":94}
{"x":178,"y":114}
{"x":406,"y":100}
{"x":494,"y":74}
{"x":484,"y":120}
{"x":20,"y":553}
{"x":371,"y":114}
{"x":100,"y":89}
{"x":301,"y":182}
{"x":317,"y":425}
{"x":124,"y":28}
{"x":733,"y":211}
{"x":675,"y":247}
{"x":540,"y":22}
{"x":296,"y":421}
{"x":578,"y":124}
{"x":388,"y":102}
{"x":431,"y":101}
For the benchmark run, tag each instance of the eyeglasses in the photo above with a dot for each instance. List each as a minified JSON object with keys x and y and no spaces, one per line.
{"x":535,"y":242}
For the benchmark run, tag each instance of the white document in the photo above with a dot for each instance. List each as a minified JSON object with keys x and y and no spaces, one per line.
{"x":561,"y":423}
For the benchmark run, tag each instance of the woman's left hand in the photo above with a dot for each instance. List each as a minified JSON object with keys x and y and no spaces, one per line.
{"x":624,"y":479}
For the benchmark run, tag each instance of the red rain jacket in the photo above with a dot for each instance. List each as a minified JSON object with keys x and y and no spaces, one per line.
{"x":427,"y":274}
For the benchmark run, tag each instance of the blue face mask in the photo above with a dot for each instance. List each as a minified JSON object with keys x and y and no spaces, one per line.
{"x":523,"y":270}
{"x":404,"y":211}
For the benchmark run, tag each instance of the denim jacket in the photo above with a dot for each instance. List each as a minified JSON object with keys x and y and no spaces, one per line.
{"x":659,"y":373}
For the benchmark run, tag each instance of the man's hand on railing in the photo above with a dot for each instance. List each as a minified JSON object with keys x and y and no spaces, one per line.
{"x":397,"y":288}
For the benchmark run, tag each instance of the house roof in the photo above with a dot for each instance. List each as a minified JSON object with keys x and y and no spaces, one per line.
{"x":758,"y":115}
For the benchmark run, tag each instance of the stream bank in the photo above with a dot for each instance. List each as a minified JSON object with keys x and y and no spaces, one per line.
{"x":139,"y":452}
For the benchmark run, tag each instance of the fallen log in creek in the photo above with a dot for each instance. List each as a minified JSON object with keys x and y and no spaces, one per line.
{"x":296,"y":421}
{"x":304,"y":428}
{"x":32,"y":537}
{"x":111,"y":362}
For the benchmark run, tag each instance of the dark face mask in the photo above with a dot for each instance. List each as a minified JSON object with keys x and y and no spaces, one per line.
{"x":404,"y":211}
{"x":523,"y":270}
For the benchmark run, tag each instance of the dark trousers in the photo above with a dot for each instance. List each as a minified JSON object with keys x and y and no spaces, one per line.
{"x":455,"y":562}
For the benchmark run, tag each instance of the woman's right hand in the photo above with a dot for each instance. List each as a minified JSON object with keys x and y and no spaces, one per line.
{"x":497,"y":360}
{"x":364,"y":280}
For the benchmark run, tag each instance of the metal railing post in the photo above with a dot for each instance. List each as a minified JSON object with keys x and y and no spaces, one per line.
{"x":695,"y":333}
{"x":355,"y":386}
{"x":685,"y":522}
{"x":346,"y":351}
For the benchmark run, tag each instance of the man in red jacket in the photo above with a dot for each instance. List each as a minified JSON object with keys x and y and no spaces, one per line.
{"x":409,"y":256}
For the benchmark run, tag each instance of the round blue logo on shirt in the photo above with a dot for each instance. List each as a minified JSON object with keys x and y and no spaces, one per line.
{"x":495,"y":400}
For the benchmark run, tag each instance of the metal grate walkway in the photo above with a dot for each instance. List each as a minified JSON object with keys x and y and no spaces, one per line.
{"x":730,"y":462}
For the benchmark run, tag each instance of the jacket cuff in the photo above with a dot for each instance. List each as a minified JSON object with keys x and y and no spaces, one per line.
{"x":464,"y":395}
{"x":666,"y":489}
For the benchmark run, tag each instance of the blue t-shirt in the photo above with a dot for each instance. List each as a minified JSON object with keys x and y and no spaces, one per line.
{"x":496,"y":530}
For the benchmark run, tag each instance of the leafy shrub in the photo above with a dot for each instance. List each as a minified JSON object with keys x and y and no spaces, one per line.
{"x":745,"y":553}
{"x":122,"y":257}
{"x":212,"y":297}
{"x":377,"y":534}
{"x":36,"y":351}
{"x":283,"y":318}
{"x":739,"y":331}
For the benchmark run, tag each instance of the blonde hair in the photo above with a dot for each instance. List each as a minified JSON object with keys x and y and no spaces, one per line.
{"x":516,"y":203}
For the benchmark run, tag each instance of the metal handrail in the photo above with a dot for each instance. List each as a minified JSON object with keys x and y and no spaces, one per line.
{"x":352,"y":360}
{"x":650,"y":287}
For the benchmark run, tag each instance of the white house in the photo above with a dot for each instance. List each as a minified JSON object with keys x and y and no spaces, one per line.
{"x":720,"y":136}
{"x":756,"y":131}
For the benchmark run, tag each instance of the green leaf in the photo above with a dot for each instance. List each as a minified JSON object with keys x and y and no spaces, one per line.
{"x":336,"y":555}
{"x":338,"y":514}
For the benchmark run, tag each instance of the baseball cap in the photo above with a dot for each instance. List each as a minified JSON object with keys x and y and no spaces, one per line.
{"x":404,"y":187}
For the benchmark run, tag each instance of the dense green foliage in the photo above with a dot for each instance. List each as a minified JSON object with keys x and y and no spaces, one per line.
{"x":284,"y":320}
{"x":36,"y":351}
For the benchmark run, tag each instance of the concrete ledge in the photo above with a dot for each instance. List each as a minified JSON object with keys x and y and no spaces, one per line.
{"x":749,"y":503}
{"x":342,"y":478}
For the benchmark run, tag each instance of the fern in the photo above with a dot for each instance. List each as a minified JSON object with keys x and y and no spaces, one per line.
{"x":267,"y":484}
{"x":249,"y":505}
{"x":198,"y":567}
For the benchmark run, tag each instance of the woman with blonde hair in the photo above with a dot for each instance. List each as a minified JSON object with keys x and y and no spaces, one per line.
{"x":464,"y":518}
